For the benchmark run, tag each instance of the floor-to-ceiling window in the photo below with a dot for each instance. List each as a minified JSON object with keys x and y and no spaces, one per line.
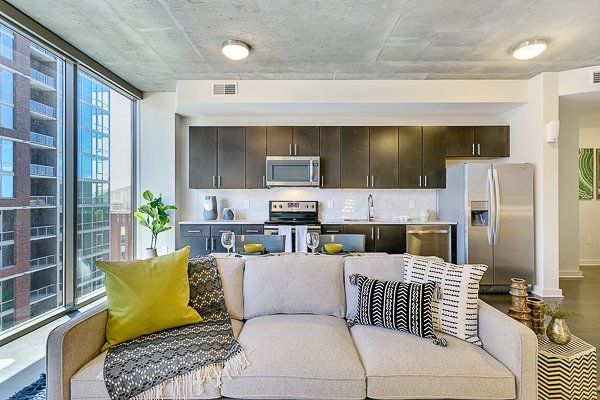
{"x":36,"y":84}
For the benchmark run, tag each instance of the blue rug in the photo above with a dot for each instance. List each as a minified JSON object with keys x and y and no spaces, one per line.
{"x":35,"y":391}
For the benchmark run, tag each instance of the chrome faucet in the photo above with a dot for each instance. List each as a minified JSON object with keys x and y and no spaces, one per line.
{"x":370,"y":201}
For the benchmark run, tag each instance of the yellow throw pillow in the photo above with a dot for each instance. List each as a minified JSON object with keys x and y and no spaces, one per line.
{"x":147,"y":296}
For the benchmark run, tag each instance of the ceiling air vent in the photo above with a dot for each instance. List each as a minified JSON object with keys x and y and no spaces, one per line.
{"x":596,"y":78}
{"x":224,"y":89}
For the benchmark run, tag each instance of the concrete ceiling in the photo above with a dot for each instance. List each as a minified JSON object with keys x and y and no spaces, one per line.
{"x":152,"y":44}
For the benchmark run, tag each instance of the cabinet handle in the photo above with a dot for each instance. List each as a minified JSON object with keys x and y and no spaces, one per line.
{"x":212,"y":244}
{"x":264,"y":181}
{"x":425,"y":180}
{"x":331,"y":231}
{"x":478,"y":149}
{"x":322,"y":181}
{"x":473,"y":149}
{"x":420,"y":178}
{"x":367,"y":180}
{"x":206,"y":244}
{"x":372,"y":181}
{"x":295,"y":149}
{"x":251,"y":231}
{"x":290,"y":149}
{"x":214,"y":180}
{"x":377,"y":233}
{"x":193,"y":231}
{"x":372,"y":234}
{"x":220,"y":180}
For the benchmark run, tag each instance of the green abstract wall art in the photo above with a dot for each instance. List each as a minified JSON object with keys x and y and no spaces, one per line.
{"x":586,"y":174}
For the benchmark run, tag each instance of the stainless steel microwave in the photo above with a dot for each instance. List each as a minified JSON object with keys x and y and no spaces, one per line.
{"x":294,"y":171}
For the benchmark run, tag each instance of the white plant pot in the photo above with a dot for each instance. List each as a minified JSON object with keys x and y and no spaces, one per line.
{"x":150,"y":253}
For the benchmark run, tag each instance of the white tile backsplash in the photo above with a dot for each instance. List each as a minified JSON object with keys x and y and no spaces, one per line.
{"x":252,"y":204}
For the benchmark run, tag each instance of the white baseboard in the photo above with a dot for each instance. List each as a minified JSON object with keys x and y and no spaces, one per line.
{"x":589,"y":262}
{"x":573,"y":274}
{"x":552,"y":293}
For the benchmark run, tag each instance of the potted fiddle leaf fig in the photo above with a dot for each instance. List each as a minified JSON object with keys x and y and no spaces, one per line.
{"x":153,"y":215}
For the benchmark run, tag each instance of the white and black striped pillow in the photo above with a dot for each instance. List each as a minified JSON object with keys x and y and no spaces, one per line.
{"x":454,"y":306}
{"x":396,"y":305}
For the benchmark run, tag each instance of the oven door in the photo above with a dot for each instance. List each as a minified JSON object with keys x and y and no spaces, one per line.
{"x":293,"y":171}
{"x":274,"y":230}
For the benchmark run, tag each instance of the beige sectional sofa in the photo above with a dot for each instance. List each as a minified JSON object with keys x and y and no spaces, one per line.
{"x":288,"y":313}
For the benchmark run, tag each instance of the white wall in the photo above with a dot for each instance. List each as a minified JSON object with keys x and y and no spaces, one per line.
{"x":589,"y":210}
{"x":156,"y":159}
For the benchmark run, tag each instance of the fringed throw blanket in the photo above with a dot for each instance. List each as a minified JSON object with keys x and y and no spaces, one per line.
{"x":183,"y":359}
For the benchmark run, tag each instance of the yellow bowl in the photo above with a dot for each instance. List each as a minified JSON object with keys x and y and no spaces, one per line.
{"x":333,"y":248}
{"x":253,"y":248}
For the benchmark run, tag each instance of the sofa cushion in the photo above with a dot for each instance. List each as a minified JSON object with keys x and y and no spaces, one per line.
{"x":88,"y":382}
{"x":298,"y":357}
{"x":294,"y":284}
{"x":231,"y":271}
{"x":385,"y":268}
{"x":403,"y":366}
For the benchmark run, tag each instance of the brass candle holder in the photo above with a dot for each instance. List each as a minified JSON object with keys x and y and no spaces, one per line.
{"x":537,"y":316}
{"x":518,"y":308}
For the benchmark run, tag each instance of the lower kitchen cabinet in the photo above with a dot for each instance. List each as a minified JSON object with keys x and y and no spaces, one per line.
{"x":205,"y":239}
{"x":332,"y":229}
{"x":367,"y":230}
{"x":381,"y":238}
{"x":199,"y":245}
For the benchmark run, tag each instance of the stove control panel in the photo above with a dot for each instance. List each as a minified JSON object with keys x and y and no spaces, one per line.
{"x":293,"y":206}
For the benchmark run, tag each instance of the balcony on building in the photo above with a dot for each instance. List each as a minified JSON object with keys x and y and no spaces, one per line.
{"x":40,"y":263}
{"x":40,"y":76}
{"x":42,"y":232}
{"x":43,"y":293}
{"x":42,"y":171}
{"x":42,"y":140}
{"x":41,"y":54}
{"x":41,"y":110}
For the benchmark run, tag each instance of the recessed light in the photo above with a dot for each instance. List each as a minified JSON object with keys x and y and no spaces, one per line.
{"x":235,"y":49}
{"x":529,"y":49}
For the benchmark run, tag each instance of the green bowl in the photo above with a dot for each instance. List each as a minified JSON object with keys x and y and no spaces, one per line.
{"x":333,"y":248}
{"x":253,"y":248}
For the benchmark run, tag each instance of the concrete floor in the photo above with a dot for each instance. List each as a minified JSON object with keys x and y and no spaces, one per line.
{"x":582,"y":295}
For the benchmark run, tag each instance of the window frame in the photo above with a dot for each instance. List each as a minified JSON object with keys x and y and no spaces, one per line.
{"x":72,"y":66}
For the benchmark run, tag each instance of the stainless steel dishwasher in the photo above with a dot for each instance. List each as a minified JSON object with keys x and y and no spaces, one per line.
{"x":429,"y":240}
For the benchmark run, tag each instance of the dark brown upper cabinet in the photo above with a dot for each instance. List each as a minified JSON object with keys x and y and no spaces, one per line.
{"x":330,"y":150}
{"x":256,"y":151}
{"x":434,"y":157}
{"x":280,"y":141}
{"x":231,"y":157}
{"x":410,"y":154}
{"x":478,"y":141}
{"x":383,"y":157}
{"x":306,"y":141}
{"x":202,"y":157}
{"x":355,"y":157}
{"x":492,"y":141}
{"x":422,"y":157}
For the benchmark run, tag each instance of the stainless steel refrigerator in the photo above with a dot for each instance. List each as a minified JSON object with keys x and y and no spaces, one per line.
{"x":493,"y":205}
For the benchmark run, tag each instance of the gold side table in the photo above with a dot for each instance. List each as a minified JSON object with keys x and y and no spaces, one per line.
{"x":566,"y":372}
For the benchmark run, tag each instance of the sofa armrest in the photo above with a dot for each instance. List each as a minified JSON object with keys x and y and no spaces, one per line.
{"x":70,"y":346}
{"x":513,"y":344}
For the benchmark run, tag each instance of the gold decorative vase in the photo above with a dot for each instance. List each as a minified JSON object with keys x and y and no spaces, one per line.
{"x":537,"y":317}
{"x":558,"y":331}
{"x":518,"y":309}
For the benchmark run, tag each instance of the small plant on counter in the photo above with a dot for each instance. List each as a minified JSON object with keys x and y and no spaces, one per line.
{"x":558,"y":311}
{"x":154,"y":216}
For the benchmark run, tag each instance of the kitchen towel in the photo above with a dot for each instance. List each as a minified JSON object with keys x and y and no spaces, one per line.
{"x":286,"y":232}
{"x":301,"y":239}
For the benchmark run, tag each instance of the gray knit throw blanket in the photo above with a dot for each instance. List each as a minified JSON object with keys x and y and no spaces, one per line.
{"x":179,"y":362}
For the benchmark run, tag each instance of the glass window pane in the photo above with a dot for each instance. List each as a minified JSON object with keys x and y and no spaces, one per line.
{"x":104,"y":180}
{"x":30,"y":157}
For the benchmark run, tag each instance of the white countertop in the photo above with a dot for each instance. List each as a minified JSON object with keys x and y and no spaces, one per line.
{"x":323,"y":222}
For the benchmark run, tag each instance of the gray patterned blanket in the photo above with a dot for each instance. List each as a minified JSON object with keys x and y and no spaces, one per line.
{"x":179,"y":362}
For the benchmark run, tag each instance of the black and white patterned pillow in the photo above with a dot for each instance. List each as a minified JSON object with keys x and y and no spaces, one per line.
{"x":396,"y":305}
{"x":454,"y":307}
{"x":206,"y":289}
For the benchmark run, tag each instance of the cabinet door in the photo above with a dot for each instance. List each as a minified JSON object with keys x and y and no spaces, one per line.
{"x":390,"y":239}
{"x":231,"y":156}
{"x":367,"y":230}
{"x":279,"y":141}
{"x":383,"y":148}
{"x":252,"y":229}
{"x":330,"y":151}
{"x":199,"y":245}
{"x":256,"y":151}
{"x":306,"y":141}
{"x":410,"y":155}
{"x":460,"y":141}
{"x":434,"y":157}
{"x":216,"y":231}
{"x":355,"y":157}
{"x":492,"y":141}
{"x":203,"y":157}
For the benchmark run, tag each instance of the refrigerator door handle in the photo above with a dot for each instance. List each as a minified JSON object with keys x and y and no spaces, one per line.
{"x":496,"y":206}
{"x":491,"y":208}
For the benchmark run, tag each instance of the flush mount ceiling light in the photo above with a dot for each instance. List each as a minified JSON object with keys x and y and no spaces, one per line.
{"x":529,"y":49}
{"x":235,"y":49}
